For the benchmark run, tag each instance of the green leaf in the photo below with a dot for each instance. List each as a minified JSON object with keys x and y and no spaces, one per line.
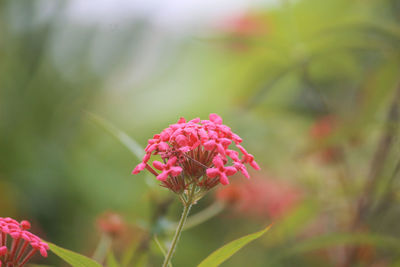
{"x":73,"y":258}
{"x":225,"y":252}
{"x":129,"y":253}
{"x":121,"y":136}
{"x":111,"y":261}
{"x":161,"y":248}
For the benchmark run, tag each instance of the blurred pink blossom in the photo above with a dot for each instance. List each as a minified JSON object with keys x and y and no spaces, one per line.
{"x":263,"y":197}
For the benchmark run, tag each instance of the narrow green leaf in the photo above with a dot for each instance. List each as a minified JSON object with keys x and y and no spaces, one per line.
{"x":161,"y":248}
{"x":73,"y":258}
{"x":121,"y":136}
{"x":111,"y":261}
{"x":129,"y":253}
{"x":225,"y":252}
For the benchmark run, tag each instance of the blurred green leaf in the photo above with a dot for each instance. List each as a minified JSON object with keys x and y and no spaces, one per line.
{"x":111,"y":261}
{"x":385,"y":242}
{"x":121,"y":136}
{"x":73,"y":258}
{"x":225,"y":252}
{"x":159,"y":245}
{"x":129,"y":253}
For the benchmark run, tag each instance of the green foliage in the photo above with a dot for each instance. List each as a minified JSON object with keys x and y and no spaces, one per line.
{"x":111,"y":261}
{"x":121,"y":136}
{"x":73,"y":258}
{"x":222,"y":254}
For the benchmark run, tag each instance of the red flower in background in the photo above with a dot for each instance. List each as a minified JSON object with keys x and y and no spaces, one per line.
{"x":196,"y":152}
{"x":320,"y":131}
{"x":244,"y":25}
{"x":241,"y":28}
{"x":111,"y":223}
{"x":23,"y":245}
{"x":261,"y":198}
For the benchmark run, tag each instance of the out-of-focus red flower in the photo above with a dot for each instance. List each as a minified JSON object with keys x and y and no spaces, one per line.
{"x":242,"y":27}
{"x":261,"y":198}
{"x":320,"y":131}
{"x":111,"y":223}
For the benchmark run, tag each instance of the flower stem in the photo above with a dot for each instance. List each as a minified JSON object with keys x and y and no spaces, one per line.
{"x":186,"y":208}
{"x":102,"y":248}
{"x":185,"y":213}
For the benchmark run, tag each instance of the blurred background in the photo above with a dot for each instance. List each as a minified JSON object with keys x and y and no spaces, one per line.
{"x":312,"y":87}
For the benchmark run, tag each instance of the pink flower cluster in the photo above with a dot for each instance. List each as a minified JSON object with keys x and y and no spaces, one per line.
{"x":197,"y":150}
{"x":19,"y":253}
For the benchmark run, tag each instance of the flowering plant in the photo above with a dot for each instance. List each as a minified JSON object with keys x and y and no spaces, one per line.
{"x":195,"y":158}
{"x":18,"y":254}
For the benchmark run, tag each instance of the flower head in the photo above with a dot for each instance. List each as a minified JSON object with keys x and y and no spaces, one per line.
{"x":196,"y":152}
{"x":23,"y":245}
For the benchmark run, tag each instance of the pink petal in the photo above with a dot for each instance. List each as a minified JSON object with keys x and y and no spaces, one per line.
{"x":254,"y":164}
{"x":158,"y":165}
{"x":181,"y":140}
{"x":151,"y":148}
{"x":229,"y":171}
{"x":146,"y":157}
{"x":221,"y":149}
{"x":225,"y":142}
{"x":140,"y":167}
{"x":212,"y":172}
{"x":3,"y":250}
{"x":43,"y":252}
{"x":236,"y":138}
{"x":172,"y":161}
{"x":240,"y":167}
{"x":215,"y":118}
{"x":163,"y":146}
{"x":166,"y":134}
{"x":175,"y":171}
{"x":242,"y":150}
{"x":217,"y":161}
{"x":234,"y":155}
{"x":196,"y":120}
{"x":209,"y":145}
{"x":223,"y":179}
{"x":162,"y":176}
{"x":203,"y":134}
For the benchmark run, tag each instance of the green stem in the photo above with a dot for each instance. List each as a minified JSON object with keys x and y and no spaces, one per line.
{"x":185,"y":213}
{"x":186,"y":208}
{"x":102,"y":248}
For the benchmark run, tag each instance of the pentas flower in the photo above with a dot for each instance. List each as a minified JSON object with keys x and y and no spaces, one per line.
{"x":23,"y":244}
{"x":196,"y":153}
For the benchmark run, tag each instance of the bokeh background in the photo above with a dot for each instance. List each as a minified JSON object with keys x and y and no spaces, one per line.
{"x":313,"y":88}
